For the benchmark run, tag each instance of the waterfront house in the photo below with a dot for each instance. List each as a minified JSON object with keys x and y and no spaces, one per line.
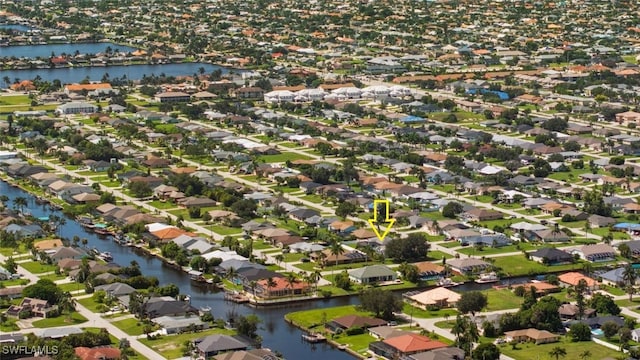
{"x":157,"y":307}
{"x":573,"y":278}
{"x":22,"y":170}
{"x":281,"y":287}
{"x":331,"y":259}
{"x":439,"y":297}
{"x":349,"y":321}
{"x":448,"y":353}
{"x":404,"y":345}
{"x":468,"y":265}
{"x":615,"y":277}
{"x":428,"y":270}
{"x":214,"y":344}
{"x":253,"y":354}
{"x":66,"y":252}
{"x":551,"y":256}
{"x":24,"y":231}
{"x":372,"y":274}
{"x":531,"y":335}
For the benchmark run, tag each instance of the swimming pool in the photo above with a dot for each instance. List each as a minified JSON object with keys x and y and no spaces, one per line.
{"x":597,"y":332}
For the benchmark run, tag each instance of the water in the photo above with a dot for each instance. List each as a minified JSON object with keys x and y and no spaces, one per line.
{"x":44,"y":51}
{"x":275,"y":332}
{"x":132,"y":72}
{"x":16,"y":27}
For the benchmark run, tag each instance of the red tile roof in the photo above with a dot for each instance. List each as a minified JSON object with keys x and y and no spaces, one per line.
{"x":411,"y":343}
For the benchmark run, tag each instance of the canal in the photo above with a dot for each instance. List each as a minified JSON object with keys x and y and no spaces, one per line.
{"x":275,"y":332}
{"x":47,"y":50}
{"x":96,"y":73}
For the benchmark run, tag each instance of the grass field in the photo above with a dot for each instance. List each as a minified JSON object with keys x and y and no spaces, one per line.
{"x":517,"y":265}
{"x":574,"y":349}
{"x":170,"y":346}
{"x":36,"y":267}
{"x":61,"y":320}
{"x":311,"y":318}
{"x":502,"y":300}
{"x":131,"y":326}
{"x":283,"y":157}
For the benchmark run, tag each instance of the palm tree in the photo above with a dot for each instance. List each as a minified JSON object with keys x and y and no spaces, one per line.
{"x":336,"y":249}
{"x":231,"y":274}
{"x":270,"y":283}
{"x":66,"y":303}
{"x":558,"y":352}
{"x":629,"y":277}
{"x":20,"y":202}
{"x":253,"y":285}
{"x":291,"y":279}
{"x":315,"y":277}
{"x":585,"y":355}
{"x":587,"y":268}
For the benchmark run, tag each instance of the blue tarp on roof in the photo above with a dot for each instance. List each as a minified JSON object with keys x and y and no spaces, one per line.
{"x":411,"y":118}
{"x":43,"y":218}
{"x":627,"y":226}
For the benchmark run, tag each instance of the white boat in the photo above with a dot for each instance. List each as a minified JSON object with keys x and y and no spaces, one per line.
{"x":106,"y":256}
{"x":446,"y":282}
{"x":488,"y":278}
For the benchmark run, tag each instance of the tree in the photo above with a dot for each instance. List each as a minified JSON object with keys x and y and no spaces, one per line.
{"x":629,"y":277}
{"x":44,"y":289}
{"x":244,"y":208}
{"x":413,"y":247}
{"x":345,"y":209}
{"x":342,"y":280}
{"x":625,"y":335}
{"x":336,"y":249}
{"x":466,"y":333}
{"x":20,"y":202}
{"x":409,"y":272}
{"x":609,"y":329}
{"x":247,"y":325}
{"x":380,"y":302}
{"x":10,"y":265}
{"x":604,"y":304}
{"x":486,"y":351}
{"x":452,"y":209}
{"x":580,"y":332}
{"x":558,"y":352}
{"x":625,"y":251}
{"x":472,"y":302}
{"x":585,"y":355}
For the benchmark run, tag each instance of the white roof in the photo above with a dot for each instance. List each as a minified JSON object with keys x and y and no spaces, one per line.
{"x":224,"y":255}
{"x":245,"y":143}
{"x":157,"y":227}
{"x":490,"y":170}
{"x":527,"y":226}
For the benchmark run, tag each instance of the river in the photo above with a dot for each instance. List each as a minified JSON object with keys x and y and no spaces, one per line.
{"x":275,"y":332}
{"x":16,"y":27}
{"x":46,"y":50}
{"x":132,"y":72}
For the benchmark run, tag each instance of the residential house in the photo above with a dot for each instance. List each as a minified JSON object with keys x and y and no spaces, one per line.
{"x":342,"y":227}
{"x":547,"y":235}
{"x":162,"y":307}
{"x":448,"y":353}
{"x":439,"y":297}
{"x":281,"y":287}
{"x":172,"y":97}
{"x":98,"y":353}
{"x":333,"y":259}
{"x":531,"y":335}
{"x":615,"y":277}
{"x":551,"y":256}
{"x":598,"y":221}
{"x":477,"y":215}
{"x":372,"y":274}
{"x":571,"y":279}
{"x":35,"y":307}
{"x":596,"y":252}
{"x":571,"y":312}
{"x":400,"y":347}
{"x":428,"y":270}
{"x":215,"y":344}
{"x":468,"y":265}
{"x":116,"y":289}
{"x":254,"y":354}
{"x":179,"y":324}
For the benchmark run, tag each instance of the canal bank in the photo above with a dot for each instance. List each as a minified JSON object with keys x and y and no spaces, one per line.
{"x":274,"y":331}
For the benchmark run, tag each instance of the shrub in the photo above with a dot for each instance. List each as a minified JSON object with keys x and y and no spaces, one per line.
{"x":356,"y":330}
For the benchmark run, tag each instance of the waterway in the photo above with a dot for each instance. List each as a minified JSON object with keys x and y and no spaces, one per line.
{"x":47,"y":50}
{"x":275,"y":332}
{"x":16,"y":27}
{"x":131,"y":72}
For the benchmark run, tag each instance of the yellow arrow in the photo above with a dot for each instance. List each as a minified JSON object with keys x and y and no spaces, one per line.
{"x":388,"y":221}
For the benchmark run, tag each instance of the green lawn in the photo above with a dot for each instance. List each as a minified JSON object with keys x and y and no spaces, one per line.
{"x":358,"y":343}
{"x":224,"y":230}
{"x":89,"y":303}
{"x":502,"y":300}
{"x":131,"y":326}
{"x":15,"y":100}
{"x":14,"y":282}
{"x":162,"y":205}
{"x":427,"y":314}
{"x":72,"y":286}
{"x":316,"y":199}
{"x":11,"y":251}
{"x":573,"y":349}
{"x":36,"y":267}
{"x":283,"y":157}
{"x":61,"y":320}
{"x":438,"y":255}
{"x":486,"y":250}
{"x":291,"y":257}
{"x":170,"y":346}
{"x":517,"y":265}
{"x":9,"y":325}
{"x":311,"y":318}
{"x":53,"y":277}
